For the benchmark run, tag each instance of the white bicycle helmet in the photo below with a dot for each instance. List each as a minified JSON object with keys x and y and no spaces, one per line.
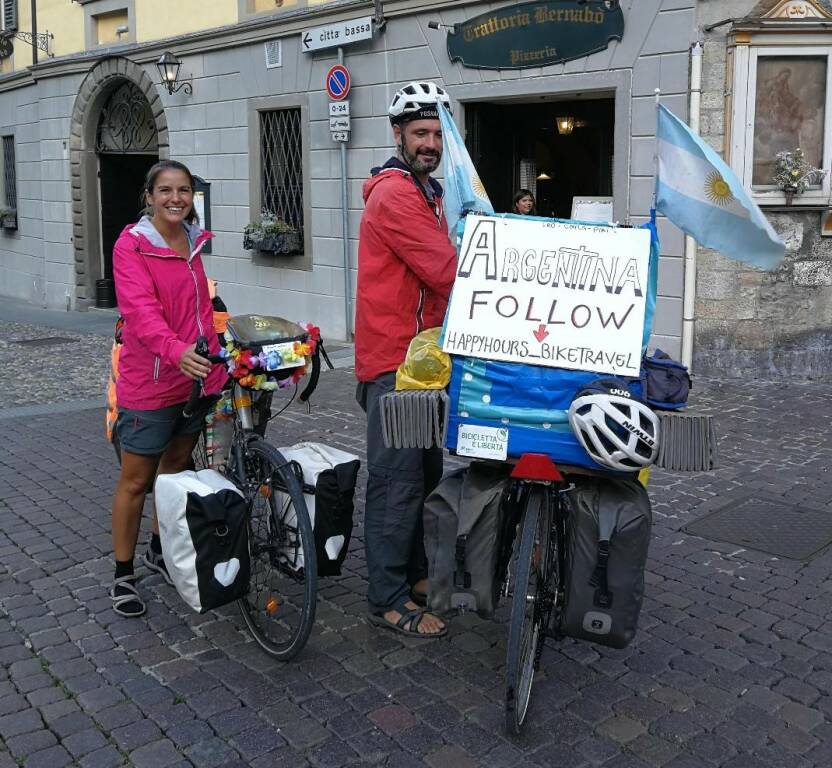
{"x":616,"y":430}
{"x":417,"y":101}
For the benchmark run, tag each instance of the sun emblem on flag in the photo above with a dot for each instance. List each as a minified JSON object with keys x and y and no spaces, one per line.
{"x":717,"y":189}
{"x":477,"y":186}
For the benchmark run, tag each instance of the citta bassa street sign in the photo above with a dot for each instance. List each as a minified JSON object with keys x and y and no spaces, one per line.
{"x":536,"y":34}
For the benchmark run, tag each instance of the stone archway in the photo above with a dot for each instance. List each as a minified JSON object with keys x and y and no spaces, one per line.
{"x":105,"y":77}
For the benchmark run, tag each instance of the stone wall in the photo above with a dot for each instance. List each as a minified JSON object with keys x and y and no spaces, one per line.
{"x":768,"y":324}
{"x":751,"y":323}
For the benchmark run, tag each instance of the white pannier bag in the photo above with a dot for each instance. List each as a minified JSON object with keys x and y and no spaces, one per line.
{"x":329,"y":477}
{"x":203,"y":525}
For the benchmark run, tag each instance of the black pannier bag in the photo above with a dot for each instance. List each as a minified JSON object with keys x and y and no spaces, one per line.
{"x":464,"y":520}
{"x":203,"y":526}
{"x":329,"y":476}
{"x":607,"y":538}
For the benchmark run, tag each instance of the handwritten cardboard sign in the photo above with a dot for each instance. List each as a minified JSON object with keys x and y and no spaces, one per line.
{"x":550,"y":293}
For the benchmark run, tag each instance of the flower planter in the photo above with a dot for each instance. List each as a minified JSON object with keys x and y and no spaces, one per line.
{"x":285,"y":243}
{"x":790,"y":192}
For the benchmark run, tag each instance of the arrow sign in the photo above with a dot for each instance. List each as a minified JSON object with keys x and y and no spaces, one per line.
{"x":541,"y":333}
{"x":333,"y":35}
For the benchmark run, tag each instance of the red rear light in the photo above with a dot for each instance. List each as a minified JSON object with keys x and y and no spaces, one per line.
{"x":536,"y":466}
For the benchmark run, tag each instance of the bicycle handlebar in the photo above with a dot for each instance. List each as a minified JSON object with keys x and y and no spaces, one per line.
{"x":196,"y":387}
{"x":202,"y":350}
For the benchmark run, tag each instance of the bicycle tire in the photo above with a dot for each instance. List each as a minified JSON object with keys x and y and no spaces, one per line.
{"x":279,"y":608}
{"x":525,"y":622}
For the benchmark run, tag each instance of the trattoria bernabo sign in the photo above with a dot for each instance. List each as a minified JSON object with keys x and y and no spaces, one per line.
{"x":536,"y":34}
{"x":552,"y":293}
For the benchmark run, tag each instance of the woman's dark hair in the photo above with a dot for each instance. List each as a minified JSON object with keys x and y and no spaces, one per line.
{"x":150,"y":182}
{"x":519,"y":195}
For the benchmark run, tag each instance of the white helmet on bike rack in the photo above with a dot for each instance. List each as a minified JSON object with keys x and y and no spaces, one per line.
{"x":616,"y":430}
{"x":417,"y":101}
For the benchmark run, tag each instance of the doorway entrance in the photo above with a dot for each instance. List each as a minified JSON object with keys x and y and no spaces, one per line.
{"x":121,"y":178}
{"x":556,"y":149}
{"x":126,"y":146}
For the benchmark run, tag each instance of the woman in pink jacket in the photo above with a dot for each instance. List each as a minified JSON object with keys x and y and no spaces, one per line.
{"x":163,"y":296}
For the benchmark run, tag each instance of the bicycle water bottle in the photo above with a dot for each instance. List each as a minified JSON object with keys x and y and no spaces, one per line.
{"x":242,"y":404}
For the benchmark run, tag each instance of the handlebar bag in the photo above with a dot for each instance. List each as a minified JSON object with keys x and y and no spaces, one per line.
{"x":329,"y":477}
{"x":203,"y":525}
{"x":259,"y":332}
{"x":608,"y":534}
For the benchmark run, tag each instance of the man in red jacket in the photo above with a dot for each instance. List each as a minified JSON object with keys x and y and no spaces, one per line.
{"x":406,"y":268}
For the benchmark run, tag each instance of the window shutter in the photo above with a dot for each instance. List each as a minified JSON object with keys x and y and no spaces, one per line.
{"x":9,"y":15}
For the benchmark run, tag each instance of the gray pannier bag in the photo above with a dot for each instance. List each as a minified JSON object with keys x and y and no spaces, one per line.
{"x":607,"y":538}
{"x":464,"y":520}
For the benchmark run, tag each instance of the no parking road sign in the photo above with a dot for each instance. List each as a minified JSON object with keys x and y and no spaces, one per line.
{"x":338,"y":82}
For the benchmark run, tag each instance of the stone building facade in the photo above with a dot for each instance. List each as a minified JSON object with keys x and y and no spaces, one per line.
{"x":68,"y":173}
{"x":749,"y":322}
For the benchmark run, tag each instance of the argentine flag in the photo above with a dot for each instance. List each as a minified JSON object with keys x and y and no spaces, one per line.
{"x":699,"y":193}
{"x":463,"y":189}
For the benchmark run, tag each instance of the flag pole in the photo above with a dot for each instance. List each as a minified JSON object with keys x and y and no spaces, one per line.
{"x":658,"y":93}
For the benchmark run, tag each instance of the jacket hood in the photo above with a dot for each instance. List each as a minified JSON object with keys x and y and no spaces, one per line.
{"x":395,"y":168}
{"x":152,"y":242}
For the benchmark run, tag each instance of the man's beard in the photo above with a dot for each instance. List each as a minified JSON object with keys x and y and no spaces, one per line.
{"x":420,"y":165}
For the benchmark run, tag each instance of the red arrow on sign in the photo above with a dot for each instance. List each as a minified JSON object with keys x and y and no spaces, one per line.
{"x":541,"y":333}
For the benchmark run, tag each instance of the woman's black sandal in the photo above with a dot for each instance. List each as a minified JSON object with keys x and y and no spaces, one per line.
{"x":126,"y":599}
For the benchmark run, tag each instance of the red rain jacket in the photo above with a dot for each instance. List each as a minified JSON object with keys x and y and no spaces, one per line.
{"x":406,"y":268}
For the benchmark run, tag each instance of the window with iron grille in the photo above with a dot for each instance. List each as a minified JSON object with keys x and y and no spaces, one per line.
{"x":9,"y":180}
{"x":281,"y":170}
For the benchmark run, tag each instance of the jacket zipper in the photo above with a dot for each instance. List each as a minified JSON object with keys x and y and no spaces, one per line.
{"x":198,"y":318}
{"x":419,"y":310}
{"x":436,"y":210}
{"x":156,"y":361}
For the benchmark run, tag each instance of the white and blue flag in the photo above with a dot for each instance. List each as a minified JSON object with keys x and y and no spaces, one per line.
{"x":699,"y":193}
{"x":463,"y":189}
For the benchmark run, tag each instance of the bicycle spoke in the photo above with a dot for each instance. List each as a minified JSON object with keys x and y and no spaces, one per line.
{"x":279,"y":608}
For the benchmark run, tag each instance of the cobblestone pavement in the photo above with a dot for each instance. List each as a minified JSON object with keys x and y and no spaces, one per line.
{"x":731,"y":667}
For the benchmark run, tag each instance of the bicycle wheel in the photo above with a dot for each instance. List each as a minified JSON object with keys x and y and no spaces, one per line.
{"x":530,"y":569}
{"x":279,"y":608}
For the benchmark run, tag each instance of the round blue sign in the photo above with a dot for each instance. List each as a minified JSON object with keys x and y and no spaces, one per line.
{"x":338,"y":82}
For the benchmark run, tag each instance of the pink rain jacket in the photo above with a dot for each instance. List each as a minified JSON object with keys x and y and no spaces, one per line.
{"x":165,"y":304}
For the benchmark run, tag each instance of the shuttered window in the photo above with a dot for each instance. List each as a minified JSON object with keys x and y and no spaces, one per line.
{"x":9,"y":177}
{"x":9,"y":15}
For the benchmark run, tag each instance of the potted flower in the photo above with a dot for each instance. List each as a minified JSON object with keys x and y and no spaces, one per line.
{"x":272,"y":235}
{"x":793,"y":174}
{"x":8,"y":218}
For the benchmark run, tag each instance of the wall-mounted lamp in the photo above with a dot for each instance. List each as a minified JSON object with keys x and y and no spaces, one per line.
{"x":447,"y":27}
{"x":122,"y":30}
{"x":565,"y":125}
{"x":543,"y":176}
{"x":168,"y":66}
